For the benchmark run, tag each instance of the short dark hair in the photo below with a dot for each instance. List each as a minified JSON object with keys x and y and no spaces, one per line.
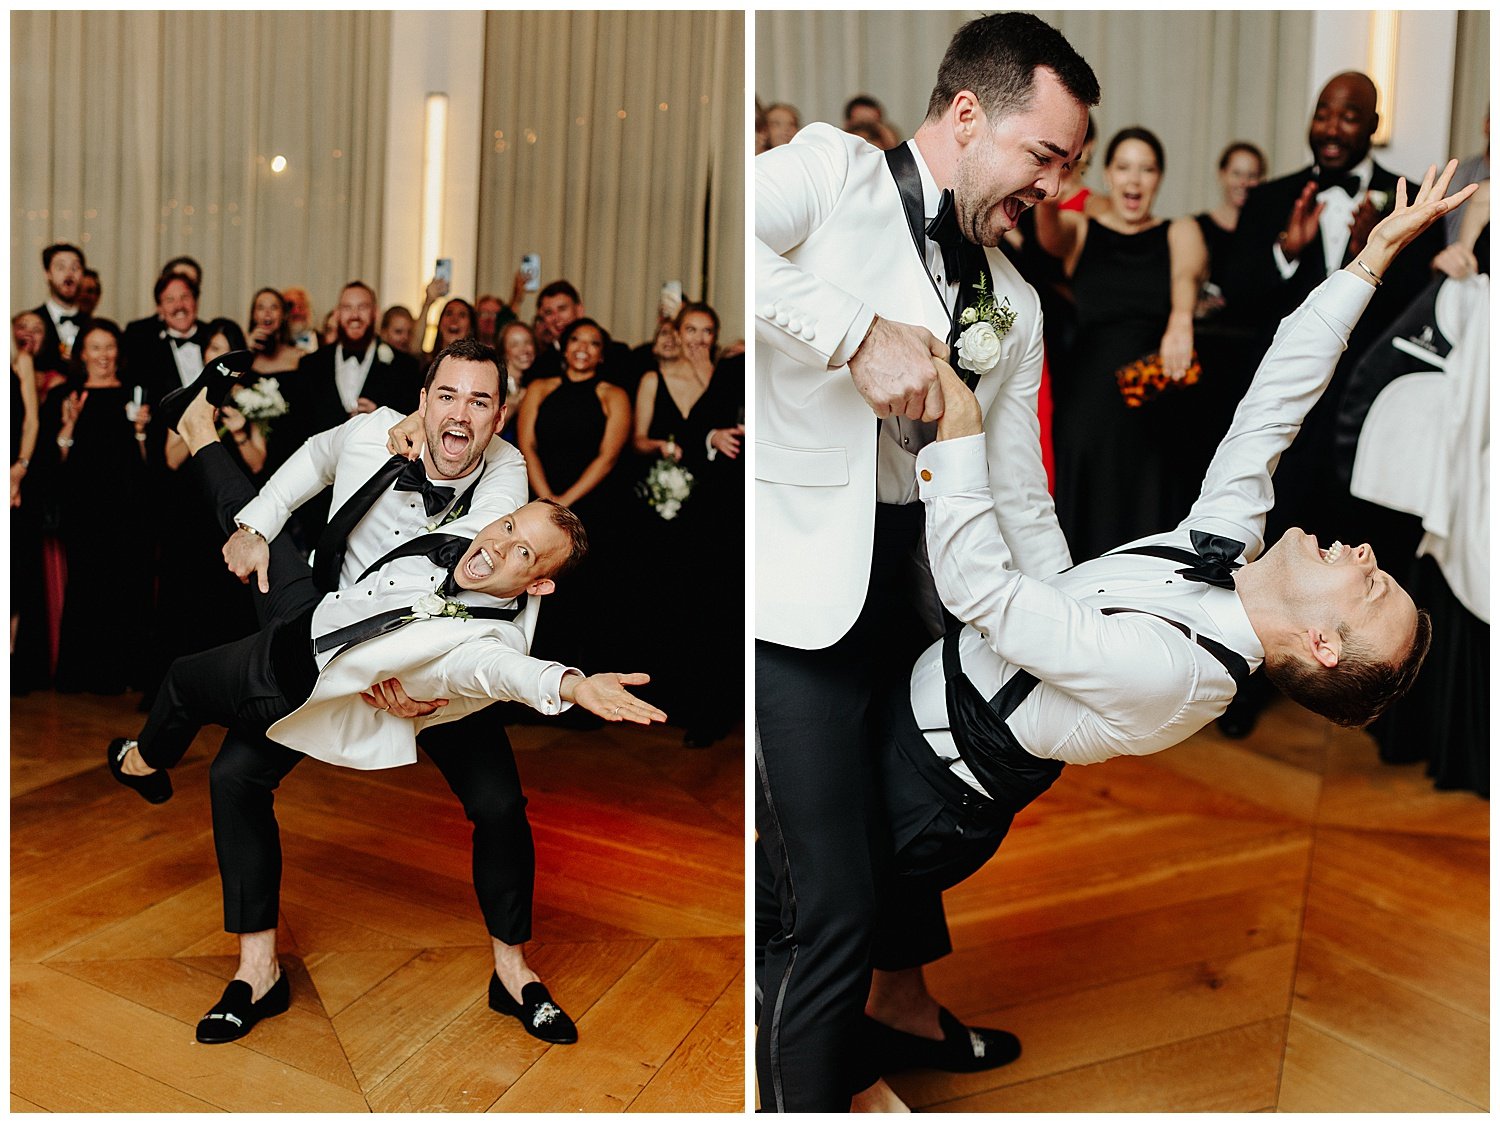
{"x":392,"y":312}
{"x":1358,"y":689}
{"x":559,"y":288}
{"x":1146,"y":137}
{"x":578,"y":538}
{"x":863,"y":101}
{"x":1242,"y":146}
{"x":469,"y":350}
{"x":191,"y":263}
{"x":166,"y":279}
{"x":62,"y":247}
{"x":583,"y":322}
{"x":94,"y":273}
{"x":360,"y":285}
{"x":233,"y":334}
{"x":996,"y":57}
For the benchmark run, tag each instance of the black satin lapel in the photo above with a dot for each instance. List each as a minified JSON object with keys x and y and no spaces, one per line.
{"x":974,"y":266}
{"x":909,"y":183}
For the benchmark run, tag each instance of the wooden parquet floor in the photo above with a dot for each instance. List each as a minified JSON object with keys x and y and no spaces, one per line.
{"x":1276,"y":924}
{"x":117,"y":948}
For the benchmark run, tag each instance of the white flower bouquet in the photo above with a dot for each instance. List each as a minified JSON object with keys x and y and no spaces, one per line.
{"x":261,"y":403}
{"x":666,"y":487}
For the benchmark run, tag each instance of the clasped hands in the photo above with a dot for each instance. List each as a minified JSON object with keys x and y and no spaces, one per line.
{"x":902,"y":370}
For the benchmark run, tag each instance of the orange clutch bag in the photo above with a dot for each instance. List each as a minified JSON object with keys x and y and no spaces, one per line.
{"x":1144,"y":379}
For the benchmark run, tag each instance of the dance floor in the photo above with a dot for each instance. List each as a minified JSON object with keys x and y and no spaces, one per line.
{"x":117,"y":948}
{"x":1276,"y":924}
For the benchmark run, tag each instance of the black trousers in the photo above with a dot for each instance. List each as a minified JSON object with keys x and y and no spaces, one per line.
{"x":237,"y":685}
{"x":822,"y":842}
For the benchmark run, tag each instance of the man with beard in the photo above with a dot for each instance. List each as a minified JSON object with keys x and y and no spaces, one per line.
{"x":865,"y":262}
{"x":61,"y":317}
{"x":1293,"y":233}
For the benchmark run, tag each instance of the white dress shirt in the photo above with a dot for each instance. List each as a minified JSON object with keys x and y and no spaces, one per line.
{"x":187,"y":355}
{"x":67,"y":333}
{"x":900,"y":438}
{"x":1333,"y":222}
{"x":1129,"y":683}
{"x":349,"y":374}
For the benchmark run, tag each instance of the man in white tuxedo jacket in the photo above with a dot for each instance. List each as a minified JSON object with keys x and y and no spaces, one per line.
{"x":865,"y":262}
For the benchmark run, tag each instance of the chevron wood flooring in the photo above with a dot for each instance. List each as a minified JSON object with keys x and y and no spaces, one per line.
{"x":1276,"y":924}
{"x":117,"y":948}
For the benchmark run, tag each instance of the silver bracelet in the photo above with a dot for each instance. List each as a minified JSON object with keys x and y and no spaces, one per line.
{"x":64,"y":442}
{"x":1372,"y":274}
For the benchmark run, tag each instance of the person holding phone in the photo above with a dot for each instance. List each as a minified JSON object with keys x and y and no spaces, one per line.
{"x":270,"y":334}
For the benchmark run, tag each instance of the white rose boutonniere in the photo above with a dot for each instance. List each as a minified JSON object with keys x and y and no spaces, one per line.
{"x":1380,"y":200}
{"x":428,"y":605}
{"x":384,"y":353}
{"x":987,"y":324}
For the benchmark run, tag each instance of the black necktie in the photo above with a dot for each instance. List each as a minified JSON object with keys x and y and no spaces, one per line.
{"x":1328,"y":178}
{"x":413,"y":477}
{"x":333,"y":543}
{"x":943,"y":229}
{"x":1216,"y":564}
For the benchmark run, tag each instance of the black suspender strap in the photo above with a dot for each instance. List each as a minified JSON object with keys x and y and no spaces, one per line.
{"x":1231,"y":660}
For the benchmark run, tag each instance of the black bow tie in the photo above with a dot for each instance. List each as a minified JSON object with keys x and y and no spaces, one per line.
{"x":1216,"y":564}
{"x":180,"y":340}
{"x":413,"y":477}
{"x":448,"y":555}
{"x":943,"y":229}
{"x":357,"y":355}
{"x":71,"y":318}
{"x":1327,"y":179}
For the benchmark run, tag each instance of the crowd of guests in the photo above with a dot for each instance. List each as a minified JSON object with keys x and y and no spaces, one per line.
{"x":1155,"y":325}
{"x":96,"y":480}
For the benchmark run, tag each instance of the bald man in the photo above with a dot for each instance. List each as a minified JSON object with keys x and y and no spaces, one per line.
{"x":1293,"y":233}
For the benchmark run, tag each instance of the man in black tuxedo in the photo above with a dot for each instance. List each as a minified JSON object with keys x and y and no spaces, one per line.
{"x":142,"y":334}
{"x":165,"y":352}
{"x":1293,"y":233}
{"x":558,"y":305}
{"x":63,"y":265}
{"x":356,"y":374}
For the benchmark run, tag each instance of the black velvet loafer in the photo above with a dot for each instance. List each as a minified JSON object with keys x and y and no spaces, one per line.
{"x":962,"y":1049}
{"x":537,"y":1013}
{"x":218,"y":378}
{"x":153,"y":788}
{"x":236,"y":1014}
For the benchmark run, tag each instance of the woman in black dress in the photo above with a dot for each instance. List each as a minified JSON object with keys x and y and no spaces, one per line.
{"x":1135,"y":278}
{"x":94,"y":434}
{"x":690,"y":410}
{"x":572,"y":429}
{"x":28,"y":603}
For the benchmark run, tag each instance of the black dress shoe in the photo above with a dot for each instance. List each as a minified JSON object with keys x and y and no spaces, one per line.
{"x":1238,"y":721}
{"x":236,"y":1014}
{"x":537,"y":1013}
{"x":218,"y":378}
{"x":962,"y":1049}
{"x":154,"y":788}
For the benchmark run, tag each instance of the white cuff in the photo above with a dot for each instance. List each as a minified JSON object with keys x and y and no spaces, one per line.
{"x":550,"y":693}
{"x":952,"y":467}
{"x":1284,"y":267}
{"x":708,"y":446}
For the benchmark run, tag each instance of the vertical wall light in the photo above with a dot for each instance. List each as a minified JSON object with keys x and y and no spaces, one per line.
{"x":434,"y":159}
{"x":1382,"y":70}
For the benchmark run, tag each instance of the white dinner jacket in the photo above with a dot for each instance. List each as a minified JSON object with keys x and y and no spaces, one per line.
{"x":833,"y":249}
{"x":470,"y":662}
{"x":347,"y":455}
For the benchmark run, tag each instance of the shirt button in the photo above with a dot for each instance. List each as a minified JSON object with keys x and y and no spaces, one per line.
{"x":926,"y":476}
{"x":905,"y":442}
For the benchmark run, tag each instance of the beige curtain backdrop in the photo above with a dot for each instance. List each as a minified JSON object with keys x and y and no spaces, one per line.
{"x":1471,"y":84}
{"x":143,"y":135}
{"x":615,"y":149}
{"x":1197,"y":79}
